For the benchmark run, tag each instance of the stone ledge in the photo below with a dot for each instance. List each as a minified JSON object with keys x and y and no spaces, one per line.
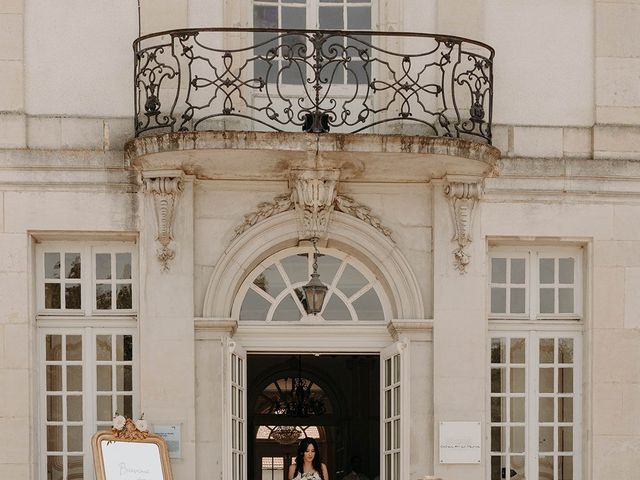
{"x":616,"y":141}
{"x":270,"y":155}
{"x":581,"y":176}
{"x":13,"y":131}
{"x":45,"y":132}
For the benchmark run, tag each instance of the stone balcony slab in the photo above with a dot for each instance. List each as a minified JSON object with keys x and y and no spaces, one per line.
{"x":271,"y":155}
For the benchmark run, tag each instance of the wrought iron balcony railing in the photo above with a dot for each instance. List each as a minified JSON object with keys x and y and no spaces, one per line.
{"x":314,"y":81}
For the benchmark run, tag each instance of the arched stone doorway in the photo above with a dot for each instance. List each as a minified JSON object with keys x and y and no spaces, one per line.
{"x":366,"y":335}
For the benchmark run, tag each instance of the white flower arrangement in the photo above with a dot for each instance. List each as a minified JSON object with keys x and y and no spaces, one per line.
{"x":141,"y":425}
{"x":123,"y":425}
{"x":119,"y":422}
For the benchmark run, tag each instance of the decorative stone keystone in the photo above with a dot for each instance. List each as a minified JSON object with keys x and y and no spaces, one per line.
{"x":165,"y":187}
{"x":463,"y":198}
{"x":313,"y":193}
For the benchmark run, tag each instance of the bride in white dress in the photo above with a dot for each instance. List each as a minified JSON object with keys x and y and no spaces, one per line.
{"x":308,"y":464}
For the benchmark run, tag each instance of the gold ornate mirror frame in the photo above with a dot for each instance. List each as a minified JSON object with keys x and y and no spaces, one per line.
{"x":134,"y":442}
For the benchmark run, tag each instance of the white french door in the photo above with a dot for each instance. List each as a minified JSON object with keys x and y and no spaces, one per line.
{"x":237,"y":411}
{"x":86,"y":375}
{"x":394,"y":413}
{"x":535,"y":405}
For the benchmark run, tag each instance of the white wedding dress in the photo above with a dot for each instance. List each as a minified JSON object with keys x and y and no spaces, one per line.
{"x":308,"y":476}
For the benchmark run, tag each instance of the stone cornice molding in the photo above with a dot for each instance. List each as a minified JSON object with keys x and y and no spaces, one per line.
{"x":165,"y":188}
{"x":313,"y":195}
{"x":463,"y":198}
{"x":314,"y":337}
{"x":411,"y":329}
{"x":214,"y":328}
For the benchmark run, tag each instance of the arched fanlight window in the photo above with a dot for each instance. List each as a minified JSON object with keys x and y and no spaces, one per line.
{"x":273,"y":291}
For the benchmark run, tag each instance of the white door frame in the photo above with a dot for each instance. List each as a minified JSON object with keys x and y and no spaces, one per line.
{"x":363,"y":338}
{"x":400,"y":412}
{"x":235,"y":425}
{"x":313,"y":336}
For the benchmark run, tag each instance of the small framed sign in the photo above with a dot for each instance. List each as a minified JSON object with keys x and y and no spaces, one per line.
{"x":172,"y":437}
{"x":127,"y":453}
{"x":460,"y":442}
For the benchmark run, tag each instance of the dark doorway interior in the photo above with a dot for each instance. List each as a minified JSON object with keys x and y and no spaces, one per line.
{"x":343,"y":413}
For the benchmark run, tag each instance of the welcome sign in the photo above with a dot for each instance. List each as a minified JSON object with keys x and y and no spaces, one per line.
{"x":131,"y":460}
{"x":130,"y":454}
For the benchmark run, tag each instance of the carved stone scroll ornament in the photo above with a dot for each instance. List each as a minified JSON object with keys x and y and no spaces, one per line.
{"x":349,"y":206}
{"x":165,"y":192}
{"x":280,"y":204}
{"x":314,"y":194}
{"x":463,"y":198}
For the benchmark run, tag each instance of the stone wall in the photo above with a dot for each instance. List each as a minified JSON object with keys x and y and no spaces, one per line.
{"x":567,"y":122}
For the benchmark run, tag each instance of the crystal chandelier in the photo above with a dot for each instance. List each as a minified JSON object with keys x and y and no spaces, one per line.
{"x":286,"y":434}
{"x":298,"y":401}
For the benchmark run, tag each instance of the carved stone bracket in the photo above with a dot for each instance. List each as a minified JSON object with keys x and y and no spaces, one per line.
{"x":165,"y":190}
{"x":463,"y":197}
{"x":313,"y":195}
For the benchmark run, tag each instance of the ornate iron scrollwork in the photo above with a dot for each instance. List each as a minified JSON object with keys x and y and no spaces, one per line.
{"x":314,"y":81}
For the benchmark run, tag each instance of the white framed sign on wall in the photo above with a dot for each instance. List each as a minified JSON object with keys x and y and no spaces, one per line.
{"x":460,"y":442}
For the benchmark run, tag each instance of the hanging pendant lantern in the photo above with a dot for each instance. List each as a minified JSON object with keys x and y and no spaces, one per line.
{"x":314,"y":290}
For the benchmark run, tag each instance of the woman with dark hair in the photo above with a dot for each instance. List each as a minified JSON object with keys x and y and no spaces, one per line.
{"x":308,"y":464}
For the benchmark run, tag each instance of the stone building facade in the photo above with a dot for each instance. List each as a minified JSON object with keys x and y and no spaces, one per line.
{"x":494,"y":284}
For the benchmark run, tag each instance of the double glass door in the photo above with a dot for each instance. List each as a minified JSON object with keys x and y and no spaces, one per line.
{"x":393,"y":405}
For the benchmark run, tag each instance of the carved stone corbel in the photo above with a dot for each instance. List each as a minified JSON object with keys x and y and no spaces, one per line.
{"x":313,"y":193}
{"x":165,"y":190}
{"x":463,"y":197}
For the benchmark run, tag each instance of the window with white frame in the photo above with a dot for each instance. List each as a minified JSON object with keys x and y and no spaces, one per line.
{"x":87,"y":354}
{"x":543,"y":283}
{"x":272,"y":292}
{"x":535,"y":366}
{"x":351,"y":15}
{"x":79,"y":279}
{"x":272,"y":468}
{"x":313,"y":14}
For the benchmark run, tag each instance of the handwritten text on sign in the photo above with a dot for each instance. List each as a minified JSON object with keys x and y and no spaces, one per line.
{"x":131,"y":461}
{"x":460,"y":442}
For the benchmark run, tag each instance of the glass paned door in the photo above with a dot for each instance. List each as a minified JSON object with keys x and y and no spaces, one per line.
{"x":393,"y":391}
{"x":237,"y":374}
{"x":535,"y":405}
{"x":558,"y":407}
{"x":64,"y":404}
{"x":508,"y":394}
{"x":87,"y":374}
